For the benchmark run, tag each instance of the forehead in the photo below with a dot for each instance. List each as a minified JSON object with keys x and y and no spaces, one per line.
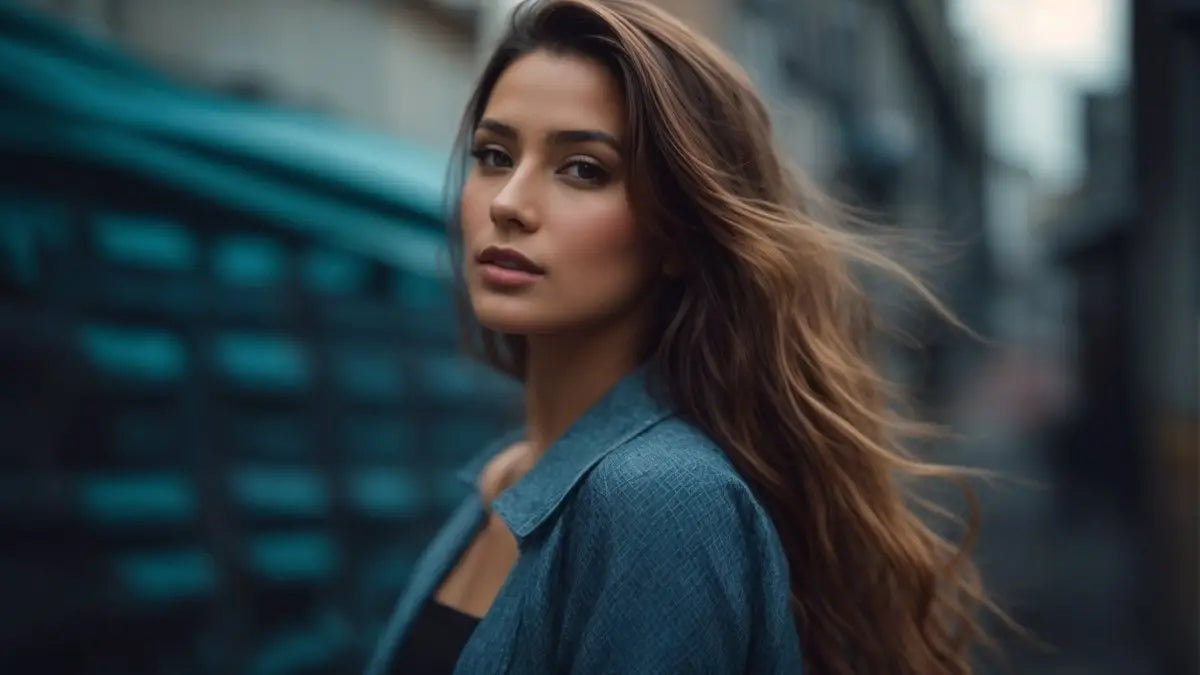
{"x":546,"y":91}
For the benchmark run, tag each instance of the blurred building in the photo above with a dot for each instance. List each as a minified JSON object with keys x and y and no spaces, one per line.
{"x":229,"y":382}
{"x":229,"y":366}
{"x":1165,"y":276}
{"x":368,"y":61}
{"x":1129,"y":243}
{"x":872,"y":99}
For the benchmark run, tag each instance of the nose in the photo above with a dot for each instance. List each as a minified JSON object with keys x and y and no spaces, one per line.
{"x":514,"y":206}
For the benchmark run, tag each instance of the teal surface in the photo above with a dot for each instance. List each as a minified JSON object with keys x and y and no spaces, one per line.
{"x":234,"y":396}
{"x":73,"y":98}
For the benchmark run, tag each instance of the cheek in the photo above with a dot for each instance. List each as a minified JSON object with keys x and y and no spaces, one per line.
{"x":606,"y":244}
{"x":474,"y":209}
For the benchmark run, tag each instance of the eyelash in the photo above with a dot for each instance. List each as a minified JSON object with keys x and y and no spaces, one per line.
{"x":482,"y":154}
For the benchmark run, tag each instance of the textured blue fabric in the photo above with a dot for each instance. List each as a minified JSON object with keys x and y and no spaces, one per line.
{"x":641,"y":551}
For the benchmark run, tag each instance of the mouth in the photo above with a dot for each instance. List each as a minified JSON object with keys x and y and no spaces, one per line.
{"x":507,"y":270}
{"x":508,"y":259}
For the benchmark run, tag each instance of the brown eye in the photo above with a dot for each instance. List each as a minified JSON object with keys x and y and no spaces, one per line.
{"x":587,"y":172}
{"x":491,"y":158}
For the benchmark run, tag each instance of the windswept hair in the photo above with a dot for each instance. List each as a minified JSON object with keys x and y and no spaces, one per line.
{"x":766,"y":339}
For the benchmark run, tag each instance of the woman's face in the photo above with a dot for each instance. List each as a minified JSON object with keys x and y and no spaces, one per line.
{"x":550,"y":244}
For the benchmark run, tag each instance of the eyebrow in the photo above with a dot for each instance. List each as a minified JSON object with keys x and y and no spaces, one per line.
{"x":561,"y":137}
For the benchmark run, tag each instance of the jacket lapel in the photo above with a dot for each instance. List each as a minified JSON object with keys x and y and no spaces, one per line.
{"x":631,"y":406}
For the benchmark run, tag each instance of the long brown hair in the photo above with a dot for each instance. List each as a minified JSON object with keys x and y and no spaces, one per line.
{"x":765,"y":341}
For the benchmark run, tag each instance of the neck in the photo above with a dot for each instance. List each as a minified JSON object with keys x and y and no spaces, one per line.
{"x":567,"y":374}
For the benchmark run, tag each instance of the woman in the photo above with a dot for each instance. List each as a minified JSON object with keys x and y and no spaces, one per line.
{"x":706,"y":481}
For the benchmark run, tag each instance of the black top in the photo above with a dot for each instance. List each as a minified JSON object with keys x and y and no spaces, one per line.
{"x":434,"y":641}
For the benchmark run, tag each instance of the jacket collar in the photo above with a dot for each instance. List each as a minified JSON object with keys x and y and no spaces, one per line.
{"x":632,"y":405}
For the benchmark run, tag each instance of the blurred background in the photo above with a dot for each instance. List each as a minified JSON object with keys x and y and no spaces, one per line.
{"x":230,"y":394}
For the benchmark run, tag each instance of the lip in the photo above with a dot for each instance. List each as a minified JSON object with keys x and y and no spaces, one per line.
{"x":507,"y":268}
{"x":508,"y":258}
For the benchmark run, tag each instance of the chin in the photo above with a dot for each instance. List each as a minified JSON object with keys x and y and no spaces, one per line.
{"x":504,"y":324}
{"x":510,"y":316}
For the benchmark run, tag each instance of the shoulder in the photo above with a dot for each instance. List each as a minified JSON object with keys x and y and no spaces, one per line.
{"x":667,"y":517}
{"x":672,"y":459}
{"x":671,"y":565}
{"x":673,"y":481}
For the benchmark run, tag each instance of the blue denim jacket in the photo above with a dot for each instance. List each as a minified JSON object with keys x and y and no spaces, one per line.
{"x":641,"y":550}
